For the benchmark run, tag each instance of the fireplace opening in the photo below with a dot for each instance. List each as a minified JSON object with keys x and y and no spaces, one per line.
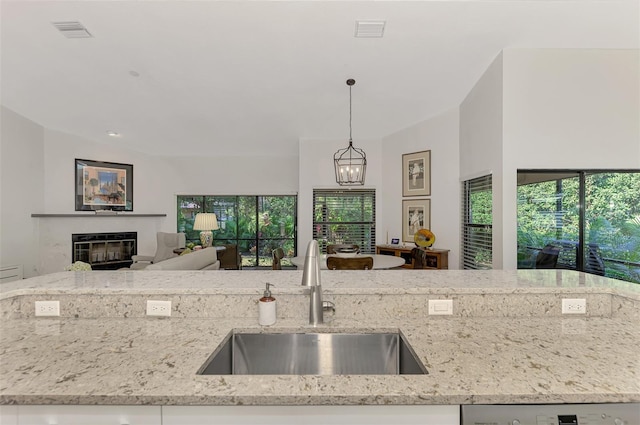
{"x":105,"y":251}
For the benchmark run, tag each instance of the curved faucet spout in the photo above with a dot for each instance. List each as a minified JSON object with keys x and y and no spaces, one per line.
{"x":311,"y":274}
{"x":311,"y":278}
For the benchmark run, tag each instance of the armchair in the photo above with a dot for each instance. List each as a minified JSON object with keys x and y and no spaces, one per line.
{"x":166,"y":243}
{"x":230,"y":258}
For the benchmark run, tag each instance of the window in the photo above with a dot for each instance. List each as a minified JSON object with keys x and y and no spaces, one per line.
{"x":591,"y":218}
{"x":257,"y":224}
{"x":477,"y":223}
{"x":345,"y":216}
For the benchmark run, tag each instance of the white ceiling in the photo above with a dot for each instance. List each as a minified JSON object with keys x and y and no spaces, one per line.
{"x":238,"y":77}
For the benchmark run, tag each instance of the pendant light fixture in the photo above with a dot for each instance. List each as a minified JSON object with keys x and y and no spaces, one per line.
{"x":350,"y":163}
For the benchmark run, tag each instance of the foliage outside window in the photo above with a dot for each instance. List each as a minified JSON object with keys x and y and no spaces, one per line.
{"x":477,"y":223}
{"x":345,"y":217}
{"x":257,"y":224}
{"x":603,"y":237}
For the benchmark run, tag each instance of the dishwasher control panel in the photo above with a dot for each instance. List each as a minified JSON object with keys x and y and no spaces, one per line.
{"x":552,"y":414}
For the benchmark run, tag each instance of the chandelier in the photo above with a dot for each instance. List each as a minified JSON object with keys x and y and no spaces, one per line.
{"x":350,"y":163}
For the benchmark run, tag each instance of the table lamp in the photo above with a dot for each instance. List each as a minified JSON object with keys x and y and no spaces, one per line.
{"x":206,"y":222}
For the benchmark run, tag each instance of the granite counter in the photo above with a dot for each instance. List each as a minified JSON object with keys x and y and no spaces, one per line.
{"x":507,"y":341}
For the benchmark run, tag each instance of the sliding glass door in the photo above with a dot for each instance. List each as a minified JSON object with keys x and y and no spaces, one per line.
{"x":256,"y":224}
{"x":612,"y":224}
{"x":580,"y":219}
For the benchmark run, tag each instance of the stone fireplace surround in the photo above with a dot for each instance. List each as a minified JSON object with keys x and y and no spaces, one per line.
{"x":53,"y":233}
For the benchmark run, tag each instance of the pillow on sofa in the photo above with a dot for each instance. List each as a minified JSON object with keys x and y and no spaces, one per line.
{"x":197,"y":260}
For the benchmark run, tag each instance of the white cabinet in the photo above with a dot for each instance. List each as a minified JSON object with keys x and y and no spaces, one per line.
{"x":229,"y":415}
{"x":310,"y":415}
{"x":8,"y":415}
{"x":93,"y":415}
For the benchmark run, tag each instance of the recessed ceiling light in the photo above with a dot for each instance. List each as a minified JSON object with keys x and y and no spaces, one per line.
{"x":113,"y":134}
{"x":369,"y":29}
{"x":72,"y":29}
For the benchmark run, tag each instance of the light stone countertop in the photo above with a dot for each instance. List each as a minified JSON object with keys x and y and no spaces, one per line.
{"x":493,"y":355}
{"x":386,"y":282}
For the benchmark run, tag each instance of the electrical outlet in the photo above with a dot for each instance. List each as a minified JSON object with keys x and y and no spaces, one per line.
{"x":47,"y":308}
{"x":574,"y":306}
{"x":441,"y":307}
{"x":158,"y":308}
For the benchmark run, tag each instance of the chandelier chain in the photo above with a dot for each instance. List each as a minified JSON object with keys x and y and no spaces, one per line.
{"x":350,"y":138}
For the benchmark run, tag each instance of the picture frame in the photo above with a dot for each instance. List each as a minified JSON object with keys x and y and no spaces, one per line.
{"x":101,"y":185}
{"x":416,"y":215}
{"x":416,"y":174}
{"x":395,"y":241}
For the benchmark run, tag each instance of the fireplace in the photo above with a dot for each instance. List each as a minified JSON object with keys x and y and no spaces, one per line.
{"x":104,"y":251}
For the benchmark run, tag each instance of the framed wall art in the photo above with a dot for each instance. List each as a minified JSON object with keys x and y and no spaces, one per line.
{"x":416,"y":215}
{"x":416,"y":174}
{"x":103,"y":186}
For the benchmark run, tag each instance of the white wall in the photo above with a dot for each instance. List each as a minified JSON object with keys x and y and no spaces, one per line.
{"x":45,"y":243}
{"x":316,"y":171}
{"x":481,"y":142}
{"x":439,"y":134}
{"x":21,"y":175}
{"x":571,"y":108}
{"x":567,"y":109}
{"x":532,"y":108}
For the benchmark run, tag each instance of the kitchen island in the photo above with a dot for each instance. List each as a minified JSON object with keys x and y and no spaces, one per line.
{"x":506,"y":342}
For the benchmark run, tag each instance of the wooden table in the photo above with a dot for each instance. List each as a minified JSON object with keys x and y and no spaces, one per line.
{"x":379,"y":261}
{"x":436,"y":258}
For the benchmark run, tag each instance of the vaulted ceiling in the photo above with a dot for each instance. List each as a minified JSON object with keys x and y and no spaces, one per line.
{"x":255,"y":77}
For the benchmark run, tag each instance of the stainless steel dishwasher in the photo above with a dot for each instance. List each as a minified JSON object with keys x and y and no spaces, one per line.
{"x":552,"y":414}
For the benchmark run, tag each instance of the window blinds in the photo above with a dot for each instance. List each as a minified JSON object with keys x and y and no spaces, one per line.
{"x":345,"y":216}
{"x":477,"y":220}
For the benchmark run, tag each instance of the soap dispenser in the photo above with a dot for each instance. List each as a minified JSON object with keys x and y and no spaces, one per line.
{"x":267,"y":308}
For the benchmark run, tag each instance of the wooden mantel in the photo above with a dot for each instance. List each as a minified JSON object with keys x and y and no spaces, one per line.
{"x":95,"y":215}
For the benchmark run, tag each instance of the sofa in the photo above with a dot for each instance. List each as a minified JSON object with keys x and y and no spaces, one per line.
{"x":202,"y":259}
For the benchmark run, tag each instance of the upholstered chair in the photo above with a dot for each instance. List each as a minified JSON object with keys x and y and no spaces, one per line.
{"x":166,"y":244}
{"x":278,"y":255}
{"x":335,"y":248}
{"x":350,"y":263}
{"x":230,"y":258}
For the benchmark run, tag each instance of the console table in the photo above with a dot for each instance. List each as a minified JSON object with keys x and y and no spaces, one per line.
{"x":436,"y":258}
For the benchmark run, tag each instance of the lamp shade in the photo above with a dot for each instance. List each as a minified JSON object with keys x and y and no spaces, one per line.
{"x":206,"y":221}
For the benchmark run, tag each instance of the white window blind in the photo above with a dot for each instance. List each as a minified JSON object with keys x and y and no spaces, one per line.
{"x":345,"y":216}
{"x":477,"y":220}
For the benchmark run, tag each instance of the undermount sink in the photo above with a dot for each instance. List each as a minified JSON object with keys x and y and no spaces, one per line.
{"x":313,"y":354}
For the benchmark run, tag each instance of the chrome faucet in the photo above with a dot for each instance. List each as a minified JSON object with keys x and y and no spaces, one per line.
{"x":311,"y":278}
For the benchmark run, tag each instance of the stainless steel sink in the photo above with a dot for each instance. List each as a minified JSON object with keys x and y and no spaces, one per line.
{"x":313,"y":354}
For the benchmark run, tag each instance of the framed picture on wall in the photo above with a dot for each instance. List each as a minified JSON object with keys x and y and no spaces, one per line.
{"x":103,"y":186}
{"x":416,"y":215}
{"x":416,"y":174}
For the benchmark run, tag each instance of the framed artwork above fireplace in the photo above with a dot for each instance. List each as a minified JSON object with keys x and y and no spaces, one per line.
{"x":103,"y":186}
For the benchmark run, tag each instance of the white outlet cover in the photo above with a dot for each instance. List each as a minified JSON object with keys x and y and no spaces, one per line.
{"x":440,"y":307}
{"x":47,"y":308}
{"x":158,"y":308}
{"x":574,"y":306}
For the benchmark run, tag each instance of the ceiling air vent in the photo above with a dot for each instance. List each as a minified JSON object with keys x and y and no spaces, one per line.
{"x":369,"y":29}
{"x":72,"y":29}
